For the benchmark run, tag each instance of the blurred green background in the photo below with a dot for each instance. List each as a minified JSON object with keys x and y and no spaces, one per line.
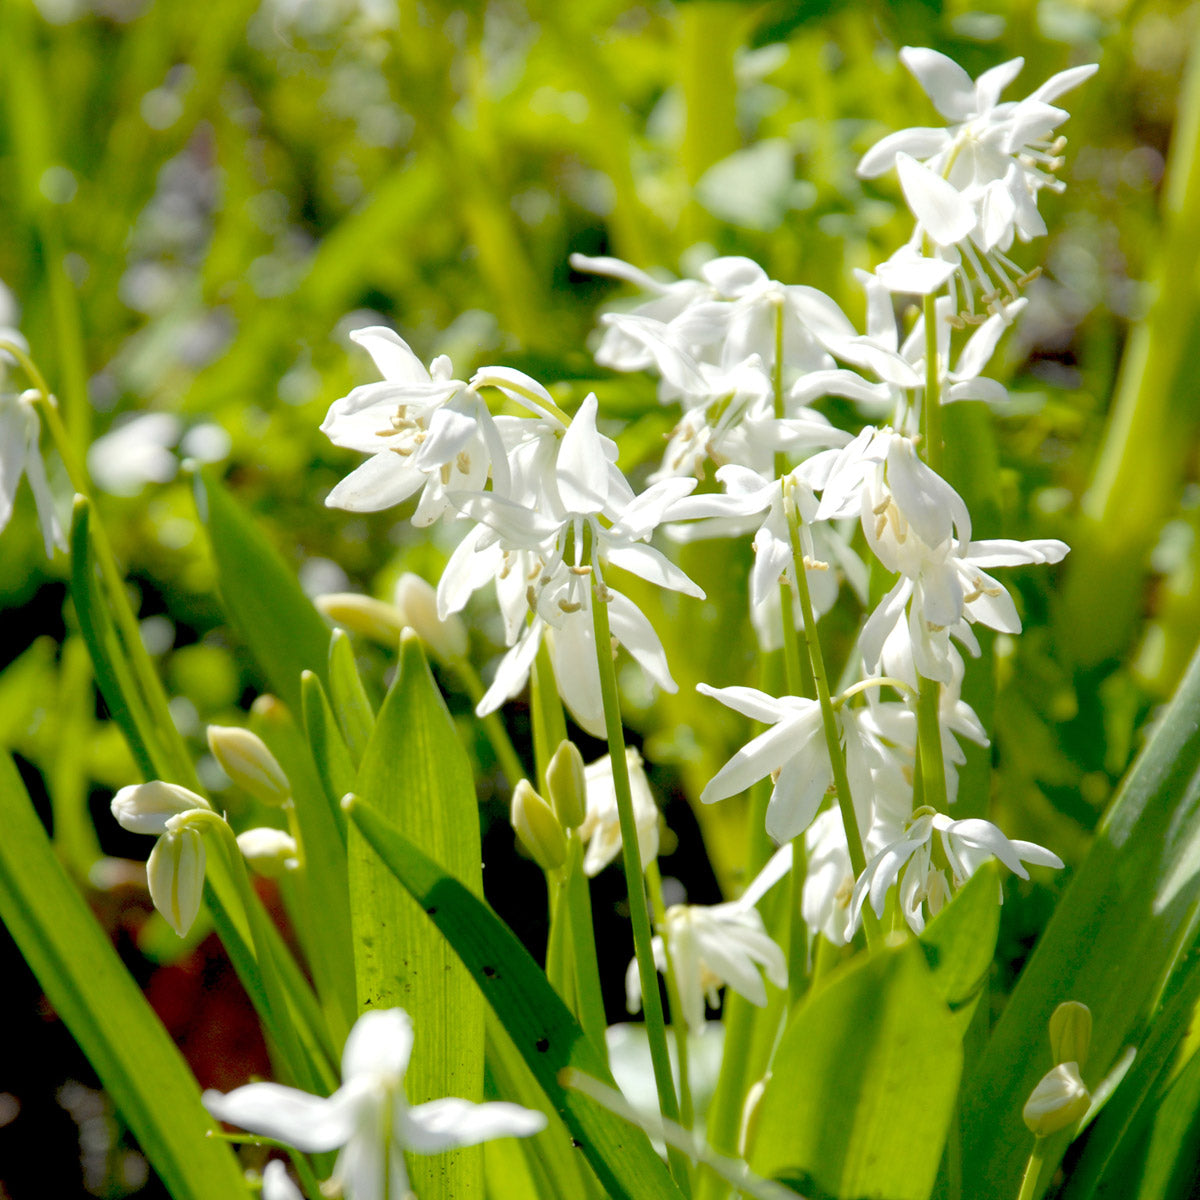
{"x":200,"y":201}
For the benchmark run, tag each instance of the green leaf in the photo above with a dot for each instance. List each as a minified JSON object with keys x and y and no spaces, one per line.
{"x":355,"y":714}
{"x":1173,"y":1148}
{"x":960,"y":941}
{"x":323,"y":883}
{"x":328,"y":747}
{"x":539,"y":1023}
{"x":284,"y":632}
{"x":116,"y":675}
{"x":1138,"y":1132}
{"x":863,"y":1084}
{"x":1127,"y":913}
{"x":134,"y":1057}
{"x":416,"y":771}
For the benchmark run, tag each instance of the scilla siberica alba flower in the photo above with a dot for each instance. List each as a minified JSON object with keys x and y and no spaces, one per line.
{"x":973,"y":186}
{"x":369,"y":1118}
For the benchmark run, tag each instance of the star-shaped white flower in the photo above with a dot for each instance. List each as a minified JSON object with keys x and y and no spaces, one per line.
{"x":369,"y":1118}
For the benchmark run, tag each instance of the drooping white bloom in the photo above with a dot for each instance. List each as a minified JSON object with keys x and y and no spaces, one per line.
{"x":368,"y":1119}
{"x":135,"y":452}
{"x":973,"y":186}
{"x":717,"y":945}
{"x":20,"y":430}
{"x":792,"y":751}
{"x":424,"y":430}
{"x":175,"y":868}
{"x":601,"y":828}
{"x":909,"y":861}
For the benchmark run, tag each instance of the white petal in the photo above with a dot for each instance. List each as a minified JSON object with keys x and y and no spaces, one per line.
{"x":444,"y":1124}
{"x":392,"y":354}
{"x":310,"y":1123}
{"x":731,"y":276}
{"x":921,"y":142}
{"x":993,"y":81}
{"x":939,"y":206}
{"x":1063,"y":82}
{"x":631,"y":627}
{"x":583,"y":468}
{"x":944,"y":81}
{"x":383,"y":480}
{"x":750,"y":702}
{"x":651,"y":565}
{"x":913,"y":274}
{"x":1003,"y":552}
{"x":381,"y":1041}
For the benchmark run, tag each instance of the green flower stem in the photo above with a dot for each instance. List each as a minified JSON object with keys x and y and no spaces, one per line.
{"x":929,"y":739}
{"x":858,"y":859}
{"x":577,"y":898}
{"x":632,"y":860}
{"x":549,"y":724}
{"x":493,"y":726}
{"x":572,"y":898}
{"x":311,"y":1067}
{"x":1033,"y":1169}
{"x":931,"y":409}
{"x":678,"y":1017}
{"x":797,"y":929}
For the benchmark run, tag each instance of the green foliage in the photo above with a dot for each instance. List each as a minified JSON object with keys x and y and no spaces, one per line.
{"x":106,"y":1013}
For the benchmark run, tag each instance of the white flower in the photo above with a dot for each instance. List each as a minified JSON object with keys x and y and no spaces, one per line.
{"x":601,"y":828}
{"x":792,"y":751}
{"x":19,"y":455}
{"x":973,"y":187}
{"x":277,"y":1183}
{"x":135,"y":452}
{"x":828,"y":878}
{"x":908,"y":860}
{"x":175,"y":868}
{"x":425,"y":431}
{"x":715,"y":945}
{"x":368,"y":1118}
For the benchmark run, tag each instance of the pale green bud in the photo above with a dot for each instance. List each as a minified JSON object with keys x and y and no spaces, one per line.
{"x":1059,"y":1100}
{"x":537,"y":828}
{"x":270,"y":852}
{"x":244,"y":757}
{"x":147,"y":807}
{"x":379,"y":621}
{"x":1071,"y":1032}
{"x":750,"y":1111}
{"x":417,"y":601}
{"x":175,"y":873}
{"x":566,"y":784}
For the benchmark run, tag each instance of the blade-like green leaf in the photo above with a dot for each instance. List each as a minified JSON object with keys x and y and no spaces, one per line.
{"x":284,"y":632}
{"x":328,"y":747}
{"x":539,"y":1023}
{"x":114,"y":676}
{"x":863,"y":1083}
{"x":91,"y":990}
{"x":1173,"y":1148}
{"x":1112,"y":943}
{"x":322,"y":884}
{"x":960,"y":941}
{"x":1131,"y":1129}
{"x":415,"y":770}
{"x":355,"y":714}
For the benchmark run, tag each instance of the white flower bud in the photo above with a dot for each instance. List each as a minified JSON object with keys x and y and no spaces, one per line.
{"x":376,"y":619}
{"x":567,"y":786}
{"x":417,"y":601}
{"x":244,"y":757}
{"x":175,"y":873}
{"x":1058,"y":1101}
{"x":270,"y":852}
{"x":147,"y":807}
{"x":1071,"y":1032}
{"x":538,"y":828}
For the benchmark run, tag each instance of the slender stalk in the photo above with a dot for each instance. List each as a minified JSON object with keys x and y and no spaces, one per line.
{"x":589,"y":996}
{"x":929,"y":739}
{"x":858,"y":859}
{"x":931,"y":408}
{"x":1033,"y":1168}
{"x":631,"y":858}
{"x":678,"y":1016}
